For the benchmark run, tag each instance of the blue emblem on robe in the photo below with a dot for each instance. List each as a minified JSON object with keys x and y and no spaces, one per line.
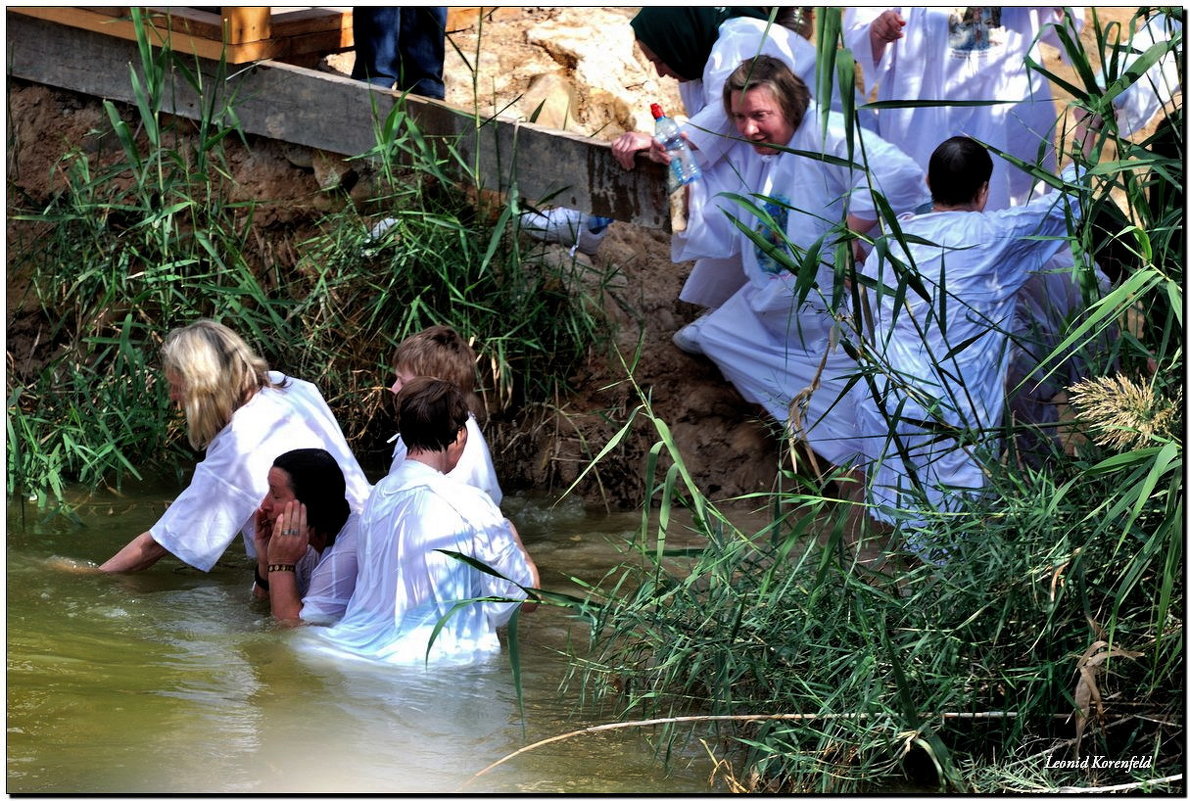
{"x":778,"y":209}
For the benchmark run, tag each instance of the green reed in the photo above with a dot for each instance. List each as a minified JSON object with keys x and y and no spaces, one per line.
{"x":150,"y":240}
{"x":965,"y":676}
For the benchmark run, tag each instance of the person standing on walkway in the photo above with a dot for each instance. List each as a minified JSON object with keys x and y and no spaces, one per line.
{"x":402,"y":48}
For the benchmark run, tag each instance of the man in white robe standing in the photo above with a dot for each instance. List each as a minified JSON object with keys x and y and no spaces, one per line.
{"x":406,"y":583}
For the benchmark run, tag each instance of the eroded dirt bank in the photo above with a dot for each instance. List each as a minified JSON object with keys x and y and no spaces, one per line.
{"x":580,"y":67}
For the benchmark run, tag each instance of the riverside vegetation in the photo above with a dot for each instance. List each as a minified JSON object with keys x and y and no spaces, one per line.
{"x":1053,"y":634}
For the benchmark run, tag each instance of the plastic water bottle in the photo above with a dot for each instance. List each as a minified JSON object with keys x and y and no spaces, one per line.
{"x":682,"y":167}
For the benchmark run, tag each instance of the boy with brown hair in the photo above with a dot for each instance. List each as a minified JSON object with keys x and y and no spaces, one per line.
{"x":440,"y":352}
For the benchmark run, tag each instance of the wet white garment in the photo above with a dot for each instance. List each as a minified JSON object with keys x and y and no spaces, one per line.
{"x":711,"y":280}
{"x":964,"y":54}
{"x":1156,"y":89}
{"x":305,"y":567}
{"x":329,"y":587}
{"x":943,"y":359}
{"x":475,"y":465}
{"x":405,"y":586}
{"x":766,"y":343}
{"x":230,"y":482}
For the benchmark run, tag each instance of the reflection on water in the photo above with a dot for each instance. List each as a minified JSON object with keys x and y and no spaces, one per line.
{"x":173,"y":681}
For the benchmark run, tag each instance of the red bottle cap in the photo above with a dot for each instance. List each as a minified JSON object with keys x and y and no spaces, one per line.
{"x":657,"y":112}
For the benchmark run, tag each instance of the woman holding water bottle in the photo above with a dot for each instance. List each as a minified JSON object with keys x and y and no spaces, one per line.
{"x":700,"y":46}
{"x":777,"y":335}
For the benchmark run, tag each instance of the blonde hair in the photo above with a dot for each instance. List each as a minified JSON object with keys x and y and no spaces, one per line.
{"x":218,"y":372}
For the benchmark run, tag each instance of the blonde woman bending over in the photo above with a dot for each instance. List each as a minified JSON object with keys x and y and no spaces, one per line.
{"x":244,"y":416}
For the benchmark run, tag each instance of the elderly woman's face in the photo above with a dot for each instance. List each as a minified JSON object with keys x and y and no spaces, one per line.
{"x":662,"y":68}
{"x":759,"y":118}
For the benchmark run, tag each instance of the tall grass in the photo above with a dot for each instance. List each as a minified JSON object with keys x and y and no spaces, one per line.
{"x":1064,"y":585}
{"x":149,"y":240}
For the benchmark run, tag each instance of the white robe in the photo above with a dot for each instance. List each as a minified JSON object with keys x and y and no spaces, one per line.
{"x":332,"y":581}
{"x":940,"y":58}
{"x":712,"y":280}
{"x":230,"y":482}
{"x":405,"y":586}
{"x":1156,"y":89}
{"x":475,"y":465}
{"x":943,"y":361}
{"x":762,"y":341}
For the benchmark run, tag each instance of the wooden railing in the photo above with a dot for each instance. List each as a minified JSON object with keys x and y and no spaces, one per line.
{"x":237,"y":34}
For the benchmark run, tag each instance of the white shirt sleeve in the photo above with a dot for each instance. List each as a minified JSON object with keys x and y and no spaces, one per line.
{"x":709,"y":232}
{"x":230,"y":482}
{"x":202,"y":521}
{"x":857,"y":23}
{"x":499,"y":551}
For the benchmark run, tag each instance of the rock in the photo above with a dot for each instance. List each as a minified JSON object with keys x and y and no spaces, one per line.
{"x":331,"y":171}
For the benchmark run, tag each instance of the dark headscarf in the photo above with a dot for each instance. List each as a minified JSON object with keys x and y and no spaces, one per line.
{"x":683,"y":37}
{"x":317,"y":481}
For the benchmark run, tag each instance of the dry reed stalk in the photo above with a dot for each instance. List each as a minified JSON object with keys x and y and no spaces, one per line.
{"x":803,"y":716}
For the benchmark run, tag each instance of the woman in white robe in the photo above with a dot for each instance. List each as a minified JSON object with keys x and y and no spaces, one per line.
{"x":769,"y":343}
{"x":245,"y":416}
{"x":306,"y":538}
{"x":962,"y":54}
{"x":701,"y":47}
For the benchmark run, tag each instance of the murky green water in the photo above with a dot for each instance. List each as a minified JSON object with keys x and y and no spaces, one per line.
{"x":173,"y":681}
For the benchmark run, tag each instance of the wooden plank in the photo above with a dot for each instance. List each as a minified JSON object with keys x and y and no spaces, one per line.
{"x":243,"y":24}
{"x":311,"y":21}
{"x":200,"y":33}
{"x":335,"y":113}
{"x":164,"y":27}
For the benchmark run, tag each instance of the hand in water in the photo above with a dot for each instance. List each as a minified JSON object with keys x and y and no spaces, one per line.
{"x":68,"y":565}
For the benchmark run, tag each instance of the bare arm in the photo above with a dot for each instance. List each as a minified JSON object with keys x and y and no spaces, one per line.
{"x":287,"y":546}
{"x":859,"y":226}
{"x":536,"y":577}
{"x":1086,"y":130}
{"x":141,"y":553}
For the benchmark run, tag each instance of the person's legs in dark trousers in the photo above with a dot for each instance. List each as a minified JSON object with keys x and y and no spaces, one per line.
{"x":376,"y":58}
{"x":401,"y":46}
{"x":423,"y":51}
